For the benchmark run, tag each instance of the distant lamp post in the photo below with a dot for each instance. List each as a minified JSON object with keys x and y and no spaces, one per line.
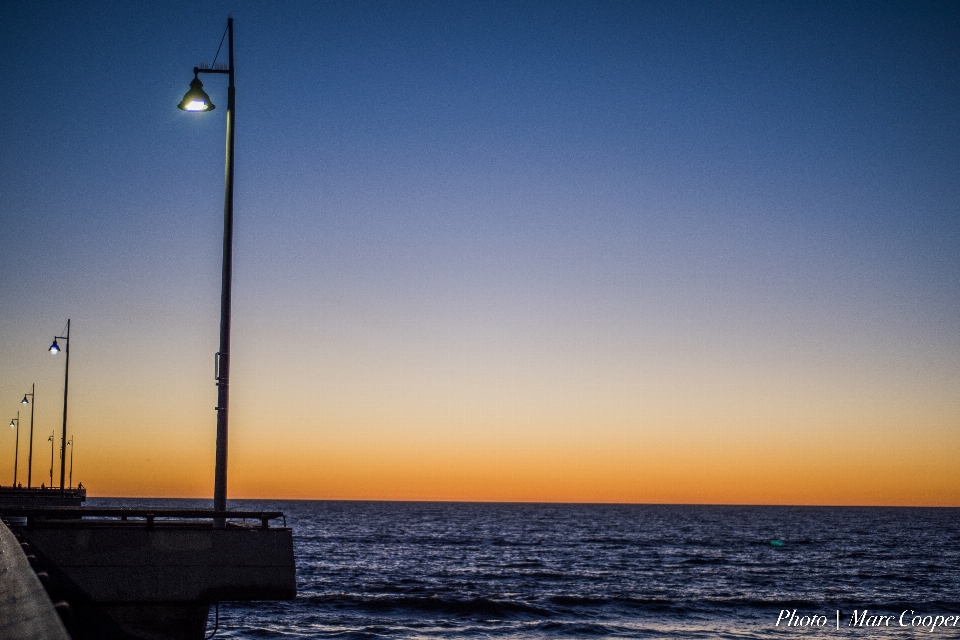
{"x":70,"y":444}
{"x":196,"y":100}
{"x":50,"y":439}
{"x":55,"y":349}
{"x":31,"y":402}
{"x":15,"y":424}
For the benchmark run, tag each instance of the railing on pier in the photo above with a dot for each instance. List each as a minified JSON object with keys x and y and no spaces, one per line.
{"x":132,"y":515}
{"x":41,"y":488}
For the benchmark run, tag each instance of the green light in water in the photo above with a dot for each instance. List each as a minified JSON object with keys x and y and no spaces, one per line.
{"x":777,"y":543}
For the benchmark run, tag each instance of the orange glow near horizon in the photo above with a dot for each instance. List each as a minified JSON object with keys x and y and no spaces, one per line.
{"x":675,"y":478}
{"x":671,"y":467}
{"x":453,"y":434}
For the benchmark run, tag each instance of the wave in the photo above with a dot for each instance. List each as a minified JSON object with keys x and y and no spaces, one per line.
{"x":477,"y":606}
{"x":557,"y":607}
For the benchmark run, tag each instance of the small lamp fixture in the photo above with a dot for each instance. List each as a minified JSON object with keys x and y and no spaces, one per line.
{"x":196,"y":99}
{"x":54,"y":348}
{"x":12,"y":425}
{"x":24,"y":401}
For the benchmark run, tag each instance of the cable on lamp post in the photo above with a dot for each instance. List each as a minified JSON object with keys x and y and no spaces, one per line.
{"x":196,"y":100}
{"x":50,"y":440}
{"x":70,"y":444}
{"x":55,"y":349}
{"x":32,"y":403}
{"x":15,"y":424}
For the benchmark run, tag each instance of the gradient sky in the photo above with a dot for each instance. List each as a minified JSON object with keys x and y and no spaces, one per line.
{"x":693,"y":252}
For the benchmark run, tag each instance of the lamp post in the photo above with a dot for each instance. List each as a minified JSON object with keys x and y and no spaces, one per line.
{"x":70,"y":444}
{"x":55,"y":349}
{"x":196,"y":100}
{"x":50,"y":439}
{"x":31,"y":402}
{"x":15,"y":424}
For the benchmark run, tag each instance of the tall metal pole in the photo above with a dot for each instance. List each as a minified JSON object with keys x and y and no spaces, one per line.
{"x":63,"y":439}
{"x":223,"y":373}
{"x":16,"y":450}
{"x":33,"y":402}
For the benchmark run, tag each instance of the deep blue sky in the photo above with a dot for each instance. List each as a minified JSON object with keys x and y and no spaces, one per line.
{"x":617,"y":218}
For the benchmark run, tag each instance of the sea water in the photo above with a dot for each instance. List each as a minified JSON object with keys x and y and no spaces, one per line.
{"x":480,"y":570}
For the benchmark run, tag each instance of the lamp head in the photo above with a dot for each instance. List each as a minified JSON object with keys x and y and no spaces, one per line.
{"x":24,"y":401}
{"x":54,"y":348}
{"x":12,"y":425}
{"x":196,"y":99}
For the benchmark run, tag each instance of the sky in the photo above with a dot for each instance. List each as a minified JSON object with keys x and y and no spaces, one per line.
{"x":646,"y":252}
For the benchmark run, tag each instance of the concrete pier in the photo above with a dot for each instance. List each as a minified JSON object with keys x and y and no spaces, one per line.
{"x":26,"y":612}
{"x":130,"y":574}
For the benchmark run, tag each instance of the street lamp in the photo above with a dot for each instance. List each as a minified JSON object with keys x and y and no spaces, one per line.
{"x":31,"y":402}
{"x":15,"y":424}
{"x":70,"y":444}
{"x":50,"y":439}
{"x":197,"y":101}
{"x":55,"y":349}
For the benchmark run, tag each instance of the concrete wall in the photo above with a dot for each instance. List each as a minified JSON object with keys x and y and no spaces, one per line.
{"x":129,"y":563}
{"x":26,"y":612}
{"x":127,"y":580}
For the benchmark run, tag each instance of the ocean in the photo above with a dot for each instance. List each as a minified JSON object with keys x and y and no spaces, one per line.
{"x":482,"y":570}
